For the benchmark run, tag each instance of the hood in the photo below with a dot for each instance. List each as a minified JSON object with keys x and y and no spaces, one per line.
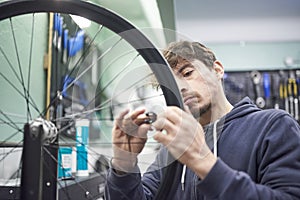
{"x":242,"y":108}
{"x":213,"y":130}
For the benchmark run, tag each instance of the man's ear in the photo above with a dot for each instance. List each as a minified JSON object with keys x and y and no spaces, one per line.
{"x":219,"y":69}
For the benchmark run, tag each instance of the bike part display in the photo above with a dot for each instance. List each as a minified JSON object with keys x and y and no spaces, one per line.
{"x":277,"y":89}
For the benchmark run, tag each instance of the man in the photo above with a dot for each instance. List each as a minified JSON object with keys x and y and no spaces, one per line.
{"x":229,"y":152}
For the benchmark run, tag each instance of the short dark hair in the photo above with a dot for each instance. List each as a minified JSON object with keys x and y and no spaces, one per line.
{"x":187,"y":50}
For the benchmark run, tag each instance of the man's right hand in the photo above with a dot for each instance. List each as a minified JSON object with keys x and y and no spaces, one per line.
{"x":129,"y":136}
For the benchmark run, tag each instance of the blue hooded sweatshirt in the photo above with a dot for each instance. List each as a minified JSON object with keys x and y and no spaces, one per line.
{"x":258,"y":158}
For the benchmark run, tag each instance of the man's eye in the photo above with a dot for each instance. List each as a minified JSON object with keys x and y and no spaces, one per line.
{"x":188,"y":73}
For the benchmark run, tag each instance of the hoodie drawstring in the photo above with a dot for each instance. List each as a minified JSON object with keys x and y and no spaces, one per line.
{"x":215,"y":138}
{"x":215,"y":141}
{"x":183,"y":177}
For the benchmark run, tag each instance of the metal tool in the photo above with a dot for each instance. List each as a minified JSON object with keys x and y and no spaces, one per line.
{"x":256,"y":79}
{"x":149,"y":119}
{"x":275,"y":85}
{"x":291,"y":94}
{"x":283,"y":91}
{"x":298,"y":92}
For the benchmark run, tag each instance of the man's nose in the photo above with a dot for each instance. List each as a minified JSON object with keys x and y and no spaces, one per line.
{"x":182,"y":84}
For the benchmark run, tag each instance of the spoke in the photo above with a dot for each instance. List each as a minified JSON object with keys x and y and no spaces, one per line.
{"x":101,"y":106}
{"x":15,"y":115}
{"x":18,"y":78}
{"x":84,"y":53}
{"x":16,"y":174}
{"x":11,"y":123}
{"x":19,"y":170}
{"x":18,"y":91}
{"x":69,"y":57}
{"x":108,"y":66}
{"x":73,"y":179}
{"x":113,"y":79}
{"x":18,"y":59}
{"x":49,"y":169}
{"x":104,"y":106}
{"x":29,"y":68}
{"x":16,"y":122}
{"x":10,"y":65}
{"x":94,"y":153}
{"x":10,"y":137}
{"x":99,"y":93}
{"x":65,"y":127}
{"x":90,"y":66}
{"x":16,"y":151}
{"x":91,"y":152}
{"x":81,"y":74}
{"x":125,"y":90}
{"x":11,"y":151}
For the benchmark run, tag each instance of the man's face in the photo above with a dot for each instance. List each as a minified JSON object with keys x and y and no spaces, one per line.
{"x":198,"y":85}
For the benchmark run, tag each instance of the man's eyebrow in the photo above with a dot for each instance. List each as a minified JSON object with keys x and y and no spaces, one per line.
{"x":183,"y":67}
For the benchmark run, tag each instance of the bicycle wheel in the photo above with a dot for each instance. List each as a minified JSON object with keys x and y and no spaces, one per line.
{"x":92,"y":74}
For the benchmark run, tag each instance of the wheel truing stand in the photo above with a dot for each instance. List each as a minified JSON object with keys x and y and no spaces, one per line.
{"x":35,"y":184}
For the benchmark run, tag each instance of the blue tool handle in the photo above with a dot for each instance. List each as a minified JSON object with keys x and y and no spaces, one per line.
{"x":55,"y":21}
{"x":80,"y":85}
{"x":65,"y":40}
{"x":60,"y":26}
{"x":267,"y":85}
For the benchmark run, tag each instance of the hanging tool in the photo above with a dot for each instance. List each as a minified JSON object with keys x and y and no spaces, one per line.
{"x":283,"y":91}
{"x":59,"y":111}
{"x":234,"y":86}
{"x":65,"y":46}
{"x":297,"y":117}
{"x":267,"y":89}
{"x":296,"y":101}
{"x":293,"y":95}
{"x":55,"y":29}
{"x":76,"y":93}
{"x":285,"y":95}
{"x":59,"y":32}
{"x":256,"y":79}
{"x":275,"y":83}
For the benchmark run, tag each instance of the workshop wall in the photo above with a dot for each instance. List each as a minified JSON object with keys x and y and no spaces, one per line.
{"x":255,"y":55}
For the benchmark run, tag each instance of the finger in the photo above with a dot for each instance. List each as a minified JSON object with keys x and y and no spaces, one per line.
{"x":118,"y":121}
{"x":140,"y":120}
{"x":147,"y":118}
{"x":174,"y":114}
{"x":162,"y":138}
{"x":131,"y":117}
{"x":143,"y":130}
{"x":165,"y":124}
{"x":137,"y":112}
